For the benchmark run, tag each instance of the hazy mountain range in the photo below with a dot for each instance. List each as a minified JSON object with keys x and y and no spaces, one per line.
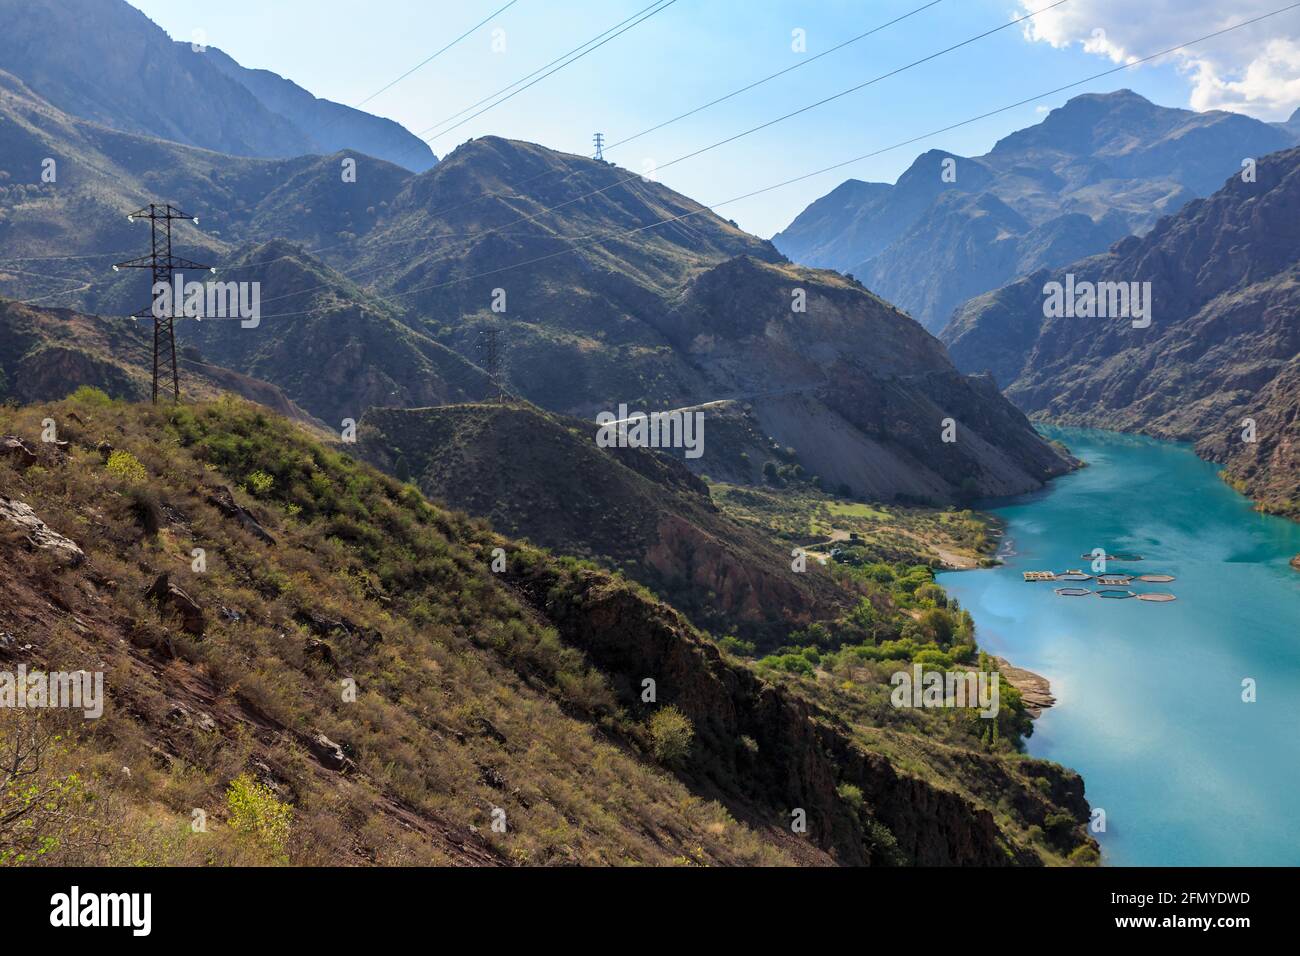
{"x":105,"y":61}
{"x":1223,"y":344}
{"x":1099,"y":168}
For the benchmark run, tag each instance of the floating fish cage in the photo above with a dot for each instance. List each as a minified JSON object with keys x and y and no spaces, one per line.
{"x":1159,"y":597}
{"x":1116,"y":594}
{"x":1073,"y":575}
{"x":1117,"y":579}
{"x":1124,"y":557}
{"x":1156,"y":578}
{"x":1039,"y":576}
{"x":1073,"y":592}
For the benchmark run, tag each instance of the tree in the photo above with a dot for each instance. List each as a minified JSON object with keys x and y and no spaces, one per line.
{"x":670,"y":736}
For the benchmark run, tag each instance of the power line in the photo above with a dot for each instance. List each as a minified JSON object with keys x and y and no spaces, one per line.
{"x":539,"y":79}
{"x":550,"y":172}
{"x":730,"y":139}
{"x":788,"y":69}
{"x":804,"y":109}
{"x":163,"y":264}
{"x":536,"y":71}
{"x":848,"y":162}
{"x":434,"y":56}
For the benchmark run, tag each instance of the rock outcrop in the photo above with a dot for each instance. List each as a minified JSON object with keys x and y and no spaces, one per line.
{"x":38,"y":534}
{"x":171,"y":597}
{"x":801,"y":756}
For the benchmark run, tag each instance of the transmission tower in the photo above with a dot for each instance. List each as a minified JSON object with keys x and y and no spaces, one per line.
{"x":599,"y":140}
{"x":488,"y":347}
{"x":162,"y":264}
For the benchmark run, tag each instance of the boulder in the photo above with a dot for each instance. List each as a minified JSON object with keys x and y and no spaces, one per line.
{"x":169,"y":595}
{"x":330,"y":754}
{"x":15,"y":449}
{"x":39,"y":535}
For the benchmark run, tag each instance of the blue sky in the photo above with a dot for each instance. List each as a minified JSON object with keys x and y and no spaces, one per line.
{"x":697,"y":50}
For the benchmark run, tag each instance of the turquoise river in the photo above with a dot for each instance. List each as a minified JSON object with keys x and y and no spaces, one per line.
{"x":1150,"y":703}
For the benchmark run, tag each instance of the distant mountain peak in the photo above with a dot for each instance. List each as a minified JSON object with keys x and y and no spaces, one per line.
{"x":106,"y":62}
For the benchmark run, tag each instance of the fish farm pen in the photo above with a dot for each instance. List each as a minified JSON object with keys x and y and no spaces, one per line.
{"x":1113,"y":586}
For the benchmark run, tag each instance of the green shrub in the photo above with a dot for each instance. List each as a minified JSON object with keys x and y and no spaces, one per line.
{"x":850,"y":794}
{"x":259,"y":482}
{"x":1085,"y":854}
{"x":88,"y":395}
{"x":255,"y":810}
{"x":670,"y":735}
{"x":124,"y":465}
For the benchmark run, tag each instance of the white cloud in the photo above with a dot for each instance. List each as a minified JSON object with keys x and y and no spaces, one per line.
{"x":1254,"y":70}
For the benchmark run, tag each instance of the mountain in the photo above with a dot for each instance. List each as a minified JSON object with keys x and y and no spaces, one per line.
{"x":345,"y":679}
{"x":615,"y":291}
{"x":46,"y":353}
{"x":1099,"y":168}
{"x":78,"y":221}
{"x":335,"y":349}
{"x":541,"y":477}
{"x":690,"y":313}
{"x":105,"y":61}
{"x":330,"y":127}
{"x":832,"y":230}
{"x":1222,"y":346}
{"x":1292,"y":125}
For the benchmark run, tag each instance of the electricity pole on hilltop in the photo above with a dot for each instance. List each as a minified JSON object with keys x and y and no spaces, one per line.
{"x":162,"y":264}
{"x":599,"y":140}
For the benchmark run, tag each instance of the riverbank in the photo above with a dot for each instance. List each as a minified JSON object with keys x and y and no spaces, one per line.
{"x":1149,"y":704}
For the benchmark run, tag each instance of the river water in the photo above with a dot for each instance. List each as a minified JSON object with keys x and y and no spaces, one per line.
{"x":1149,"y":696}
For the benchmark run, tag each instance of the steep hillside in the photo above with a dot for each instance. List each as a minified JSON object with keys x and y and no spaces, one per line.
{"x":1221,"y":346}
{"x":46,"y":353}
{"x":858,"y":390}
{"x":1098,"y":168}
{"x":539,"y":477}
{"x":346,"y":680}
{"x":334,"y":349}
{"x":105,"y":61}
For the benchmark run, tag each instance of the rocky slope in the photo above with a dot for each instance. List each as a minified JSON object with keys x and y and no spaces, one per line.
{"x":47,"y":353}
{"x":105,"y":61}
{"x":542,"y":478}
{"x":690,"y":313}
{"x":1222,"y":345}
{"x":334,"y":349}
{"x":476,"y":694}
{"x":1098,"y":168}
